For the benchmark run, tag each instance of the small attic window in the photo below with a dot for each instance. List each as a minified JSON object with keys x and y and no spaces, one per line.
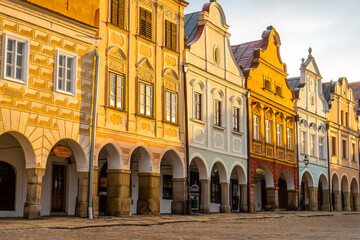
{"x":267,"y":84}
{"x":278,"y":90}
{"x":216,"y":55}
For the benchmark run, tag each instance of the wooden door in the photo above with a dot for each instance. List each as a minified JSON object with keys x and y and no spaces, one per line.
{"x":58,"y":188}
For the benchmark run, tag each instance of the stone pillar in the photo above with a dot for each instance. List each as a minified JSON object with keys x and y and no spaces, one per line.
{"x":272,"y":198}
{"x":347,"y":201}
{"x":337,"y":197}
{"x":225,"y":197}
{"x":293,"y":199}
{"x":326,"y":201}
{"x":205,"y":196}
{"x":357,"y":201}
{"x":313,"y":196}
{"x":178,"y":204}
{"x":243,"y":198}
{"x":148,"y":201}
{"x":95,"y":193}
{"x":118,"y":192}
{"x":32,"y":206}
{"x":83,"y":193}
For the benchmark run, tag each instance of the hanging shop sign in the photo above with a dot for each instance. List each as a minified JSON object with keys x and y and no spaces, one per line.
{"x":62,"y":151}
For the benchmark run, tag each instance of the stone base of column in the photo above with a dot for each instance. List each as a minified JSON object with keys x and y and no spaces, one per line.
{"x":118,"y":189}
{"x":118,"y":206}
{"x":148,"y":202}
{"x":272,"y":201}
{"x":326,"y":200}
{"x":313,"y":206}
{"x":225,"y":201}
{"x":32,"y":206}
{"x":204,"y":209}
{"x":325,"y":207}
{"x":225,"y":209}
{"x":205,"y":196}
{"x":347,"y":201}
{"x":81,"y":209}
{"x":32,"y":211}
{"x":356,"y":202}
{"x":292,"y":199}
{"x":337,"y":196}
{"x":244,"y":209}
{"x":83,"y":193}
{"x":179,"y":203}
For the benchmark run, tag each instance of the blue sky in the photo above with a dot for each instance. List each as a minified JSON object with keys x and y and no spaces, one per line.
{"x":330,"y":27}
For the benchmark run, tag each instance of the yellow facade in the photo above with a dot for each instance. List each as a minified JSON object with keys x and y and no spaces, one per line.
{"x":125,"y":134}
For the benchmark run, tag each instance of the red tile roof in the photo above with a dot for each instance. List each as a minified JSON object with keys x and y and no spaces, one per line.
{"x":244,"y":52}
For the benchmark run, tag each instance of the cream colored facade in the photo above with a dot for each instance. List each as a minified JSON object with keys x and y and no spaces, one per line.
{"x":135,"y":149}
{"x":41,"y":108}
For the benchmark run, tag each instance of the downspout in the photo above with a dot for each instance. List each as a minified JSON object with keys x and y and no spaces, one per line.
{"x":248,"y":150}
{"x":297,"y":156}
{"x":93,"y":134}
{"x":187,"y":143}
{"x":328,"y":158}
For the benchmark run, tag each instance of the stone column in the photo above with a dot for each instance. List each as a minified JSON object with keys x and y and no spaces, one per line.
{"x":178,"y":204}
{"x":205,"y":196}
{"x":272,"y":198}
{"x":313,"y":197}
{"x":148,"y":201}
{"x":243,"y":198}
{"x":326,"y":201}
{"x":118,"y":192}
{"x":357,"y":201}
{"x":347,"y":201}
{"x":293,"y":199}
{"x":225,"y":197}
{"x":83,"y":193}
{"x":95,"y":193}
{"x":32,"y":206}
{"x":337,"y":197}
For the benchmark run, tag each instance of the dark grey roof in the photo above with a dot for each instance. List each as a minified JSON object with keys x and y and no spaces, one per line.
{"x":328,"y":88}
{"x":191,"y":25}
{"x":294,"y":84}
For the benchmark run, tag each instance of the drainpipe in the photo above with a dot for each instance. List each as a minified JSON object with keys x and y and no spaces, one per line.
{"x":297,"y":156}
{"x":248,"y":150}
{"x":185,"y":70}
{"x":93,"y":134}
{"x":328,"y":158}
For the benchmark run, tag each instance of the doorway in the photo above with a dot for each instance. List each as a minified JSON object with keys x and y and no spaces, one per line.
{"x":7,"y":187}
{"x":283,"y":195}
{"x":58,"y":188}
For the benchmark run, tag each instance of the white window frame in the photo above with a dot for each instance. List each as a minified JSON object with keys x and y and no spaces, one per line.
{"x":288,"y":134}
{"x":173,"y":110}
{"x":5,"y":38}
{"x":321,"y":147}
{"x":146,"y":104}
{"x":217,"y":118}
{"x":312,"y":144}
{"x":236,"y":127}
{"x":278,"y":135}
{"x":74,"y":71}
{"x":268,"y":131}
{"x":303,"y":142}
{"x":256,"y":127}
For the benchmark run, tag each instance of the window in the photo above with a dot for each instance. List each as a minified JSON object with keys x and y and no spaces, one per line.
{"x":289,"y":146}
{"x":267,"y":85}
{"x":268,"y":131}
{"x":344,"y":152}
{"x":236,"y":119}
{"x":333,"y":146}
{"x":342,"y":117}
{"x":171,"y":106}
{"x":15,"y":58}
{"x":312,"y":143}
{"x":303,"y":142}
{"x":321,"y":147}
{"x":217,"y":56}
{"x":118,"y":13}
{"x":256,"y":127}
{"x":197,"y":106}
{"x":346,"y":119}
{"x":278,"y":135}
{"x":116,"y":91}
{"x":65,"y":72}
{"x":170,"y":35}
{"x":145,"y":23}
{"x":217,"y":113}
{"x":353,"y":152}
{"x":146,"y":97}
{"x":312,"y":100}
{"x":278,"y":90}
{"x":167,"y":187}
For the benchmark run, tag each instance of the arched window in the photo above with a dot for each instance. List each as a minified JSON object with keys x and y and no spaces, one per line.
{"x":7,"y":187}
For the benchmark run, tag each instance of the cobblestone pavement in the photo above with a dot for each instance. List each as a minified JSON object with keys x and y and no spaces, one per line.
{"x":215,"y":226}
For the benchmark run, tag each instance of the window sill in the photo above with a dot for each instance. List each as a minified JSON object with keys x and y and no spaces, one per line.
{"x":109,"y":24}
{"x":267,"y":90}
{"x":171,"y":123}
{"x":66,"y":93}
{"x":219,"y":127}
{"x":114,"y":108}
{"x":237,"y":133}
{"x":146,"y":39}
{"x":198,"y":121}
{"x":170,"y":50}
{"x":15,"y":80}
{"x":144,"y":116}
{"x":322,"y":159}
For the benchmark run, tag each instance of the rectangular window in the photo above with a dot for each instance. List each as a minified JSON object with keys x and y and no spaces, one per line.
{"x":278,"y":90}
{"x":217,"y":113}
{"x":333,"y":146}
{"x":321,"y":147}
{"x":342,"y":117}
{"x":278,"y":135}
{"x":289,"y":144}
{"x":116,"y":99}
{"x":118,"y":13}
{"x":268,"y":131}
{"x":344,"y":152}
{"x":171,"y":106}
{"x":65,"y":76}
{"x":346,"y":119}
{"x":312,"y":143}
{"x":267,"y":85}
{"x":236,"y":119}
{"x":353,"y":152}
{"x":197,"y":106}
{"x":303,"y":142}
{"x":256,"y":127}
{"x":146,"y":99}
{"x":145,"y":23}
{"x":170,"y":35}
{"x":15,"y":58}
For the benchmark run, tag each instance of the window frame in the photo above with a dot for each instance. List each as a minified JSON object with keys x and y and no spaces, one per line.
{"x":321,"y":147}
{"x":58,"y":53}
{"x":256,"y":128}
{"x":198,"y":106}
{"x":173,"y":30}
{"x":303,"y":142}
{"x":236,"y":119}
{"x":117,"y":19}
{"x":353,"y":156}
{"x":344,"y":148}
{"x":146,"y":84}
{"x":333,"y":146}
{"x":147,"y":22}
{"x":289,"y":138}
{"x":278,"y":135}
{"x":217,"y":112}
{"x":171,"y":104}
{"x":268,"y":131}
{"x":116,"y":90}
{"x":312,"y":144}
{"x":25,"y":61}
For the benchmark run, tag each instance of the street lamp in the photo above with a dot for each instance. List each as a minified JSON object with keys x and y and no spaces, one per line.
{"x":306,"y":160}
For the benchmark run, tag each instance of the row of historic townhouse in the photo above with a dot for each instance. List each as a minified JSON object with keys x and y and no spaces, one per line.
{"x":184,"y":121}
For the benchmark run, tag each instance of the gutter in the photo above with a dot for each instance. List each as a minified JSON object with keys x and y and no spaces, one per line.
{"x":248,"y":151}
{"x":93,"y":135}
{"x":329,"y":156}
{"x":297,"y":158}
